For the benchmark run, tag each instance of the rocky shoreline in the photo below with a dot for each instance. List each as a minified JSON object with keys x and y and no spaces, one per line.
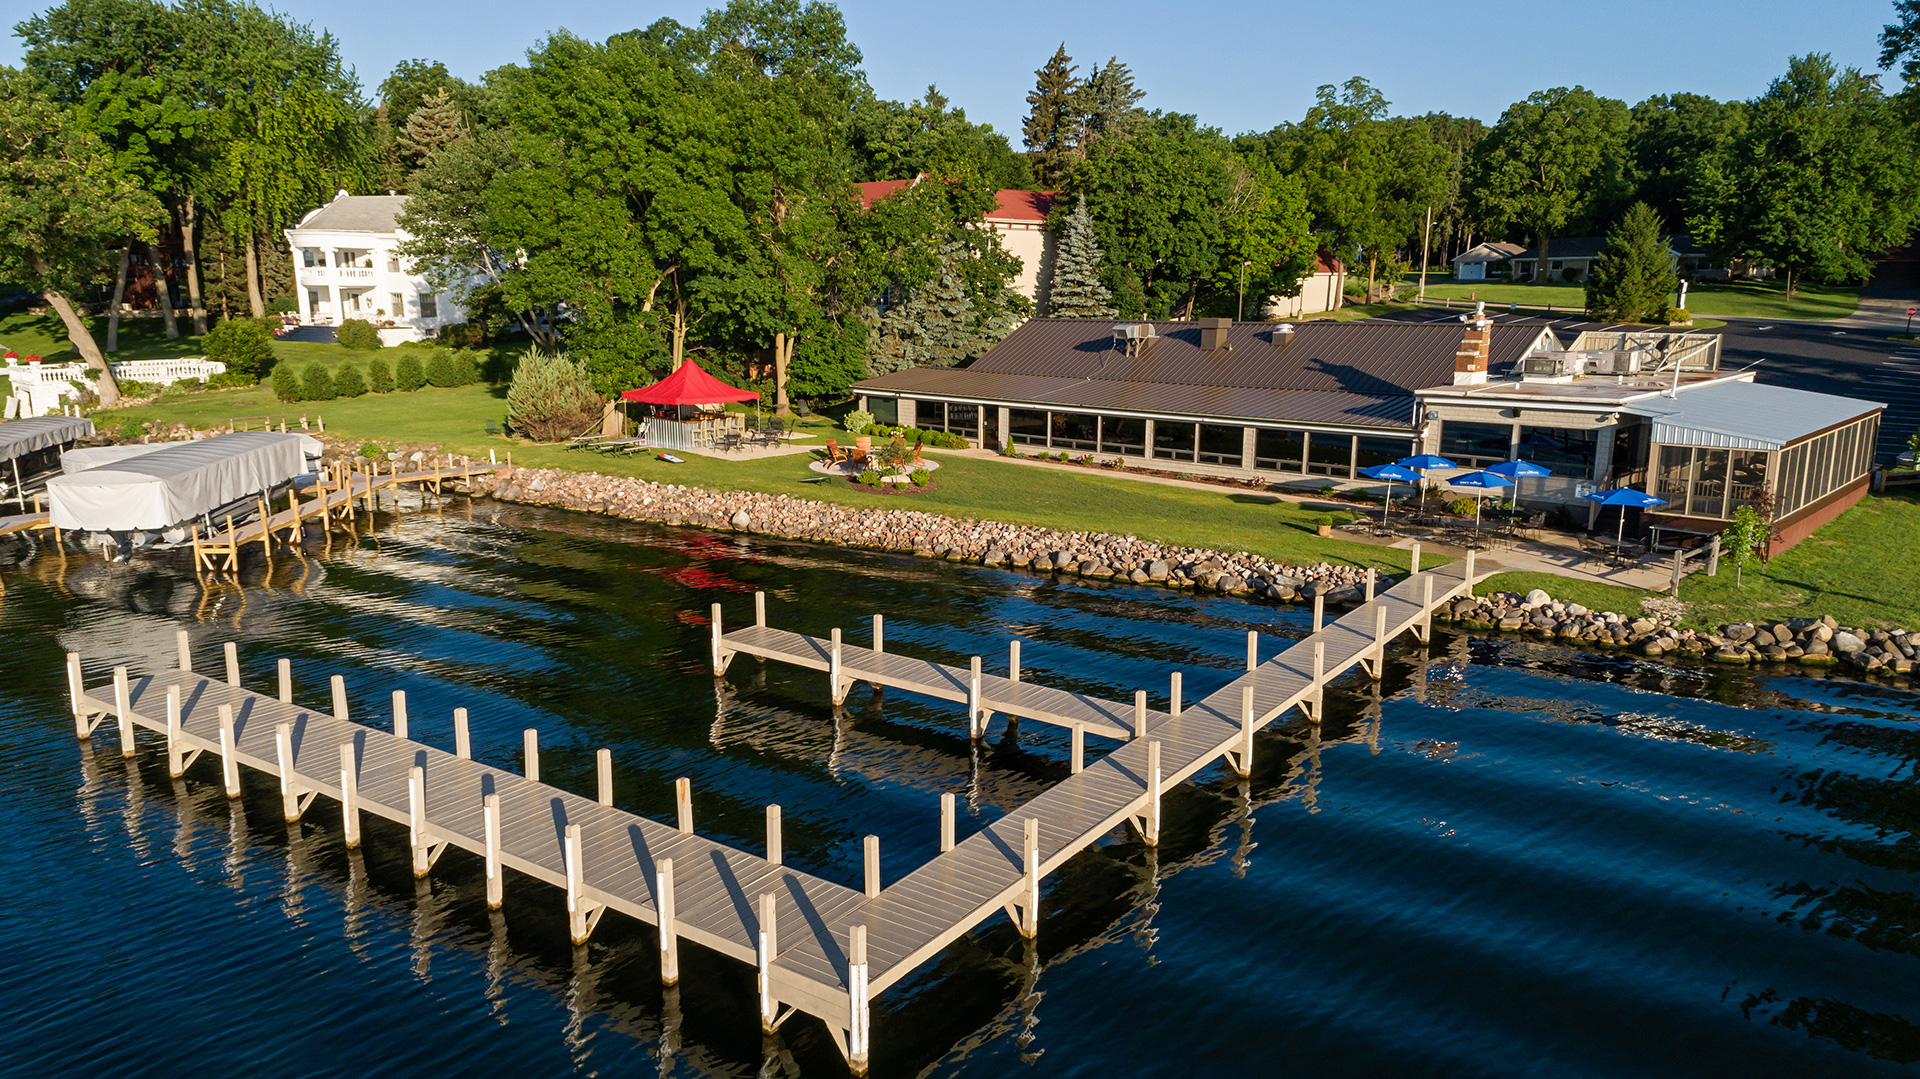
{"x":1810,"y":642}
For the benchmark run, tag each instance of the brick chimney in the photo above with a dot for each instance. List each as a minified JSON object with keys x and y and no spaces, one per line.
{"x":1476,"y":346}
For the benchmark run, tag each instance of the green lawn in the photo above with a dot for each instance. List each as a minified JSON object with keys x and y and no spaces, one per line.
{"x":1743,"y":299}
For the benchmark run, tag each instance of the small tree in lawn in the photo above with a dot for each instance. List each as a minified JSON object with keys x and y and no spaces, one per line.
{"x":1633,"y":277}
{"x":1743,"y":538}
{"x":408,"y":375}
{"x":316,"y":384}
{"x":379,"y":375}
{"x":347,"y":381}
{"x":551,"y":398}
{"x":245,"y":345}
{"x":286,"y":383}
{"x":1076,"y":290}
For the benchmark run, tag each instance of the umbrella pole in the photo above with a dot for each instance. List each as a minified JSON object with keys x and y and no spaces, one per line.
{"x":1620,"y":534}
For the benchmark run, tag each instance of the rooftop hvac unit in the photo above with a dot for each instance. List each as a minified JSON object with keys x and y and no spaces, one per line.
{"x":1551,"y":365}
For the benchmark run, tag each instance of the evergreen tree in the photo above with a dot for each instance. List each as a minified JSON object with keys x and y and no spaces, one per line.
{"x":1076,"y":290}
{"x":379,"y":375}
{"x":316,"y":384}
{"x":938,"y":325}
{"x":1633,"y":278}
{"x":347,"y":381}
{"x":1110,"y":103}
{"x":435,"y":125}
{"x":1052,"y":128}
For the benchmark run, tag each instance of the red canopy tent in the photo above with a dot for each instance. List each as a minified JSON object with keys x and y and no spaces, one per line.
{"x":689,"y":386}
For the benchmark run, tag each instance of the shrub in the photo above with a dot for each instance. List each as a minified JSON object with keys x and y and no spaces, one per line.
{"x":461,"y":335}
{"x":133,"y":387}
{"x":1323,"y":520}
{"x":943,"y":439}
{"x":857,"y":422}
{"x":408,"y":375}
{"x":373,"y":451}
{"x":286,"y":383}
{"x":870,"y":478}
{"x":445,"y":368}
{"x":1328,"y":490}
{"x":357,"y":333}
{"x":230,"y":379}
{"x":315,"y":383}
{"x":379,"y":375}
{"x":245,"y":345}
{"x":1007,"y":450}
{"x":132,"y":429}
{"x":1118,"y":464}
{"x":347,"y":381}
{"x":919,"y":477}
{"x":180,"y":386}
{"x":1061,"y":456}
{"x":1463,"y":507}
{"x":1678,"y":316}
{"x":551,"y":397}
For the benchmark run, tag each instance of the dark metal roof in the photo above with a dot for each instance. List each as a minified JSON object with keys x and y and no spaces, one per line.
{"x":1350,"y":373}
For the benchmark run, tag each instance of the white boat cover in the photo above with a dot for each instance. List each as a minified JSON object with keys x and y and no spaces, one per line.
{"x":84,"y":457}
{"x":177,"y":482}
{"x":21,"y":437}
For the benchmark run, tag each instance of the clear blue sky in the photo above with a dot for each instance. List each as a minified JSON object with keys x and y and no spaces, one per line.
{"x":1240,"y":65}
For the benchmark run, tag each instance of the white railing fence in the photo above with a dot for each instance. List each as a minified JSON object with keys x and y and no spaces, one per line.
{"x":39,"y":387}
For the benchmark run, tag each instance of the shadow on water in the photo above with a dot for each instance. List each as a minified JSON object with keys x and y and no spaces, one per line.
{"x":1488,"y":864}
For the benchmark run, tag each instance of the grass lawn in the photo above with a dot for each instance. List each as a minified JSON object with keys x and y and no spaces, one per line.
{"x":1731,"y":299}
{"x":1855,"y":569}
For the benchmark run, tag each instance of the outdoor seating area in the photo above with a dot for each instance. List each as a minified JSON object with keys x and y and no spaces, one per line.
{"x":894,"y":460}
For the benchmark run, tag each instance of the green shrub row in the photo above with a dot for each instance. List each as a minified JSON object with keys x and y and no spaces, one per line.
{"x":408,"y":373}
{"x":911,"y":435}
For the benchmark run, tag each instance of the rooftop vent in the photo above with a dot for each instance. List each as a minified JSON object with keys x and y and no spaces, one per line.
{"x":1131,"y":337}
{"x":1213,"y":334}
{"x":1285,"y":329}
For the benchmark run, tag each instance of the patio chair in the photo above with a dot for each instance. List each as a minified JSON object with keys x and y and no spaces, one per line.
{"x":835,"y":455}
{"x":919,"y":445}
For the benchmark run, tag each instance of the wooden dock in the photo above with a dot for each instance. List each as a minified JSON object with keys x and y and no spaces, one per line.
{"x":819,"y":947}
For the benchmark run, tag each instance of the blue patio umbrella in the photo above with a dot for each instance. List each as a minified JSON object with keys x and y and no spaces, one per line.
{"x":1390,"y":473}
{"x":1424,"y":462}
{"x":1515,"y":470}
{"x":1623,"y":497}
{"x":1479,"y":481}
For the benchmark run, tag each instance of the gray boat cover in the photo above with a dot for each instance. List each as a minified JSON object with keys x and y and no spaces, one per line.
{"x":85,"y":457}
{"x":21,"y":437}
{"x":177,"y":482}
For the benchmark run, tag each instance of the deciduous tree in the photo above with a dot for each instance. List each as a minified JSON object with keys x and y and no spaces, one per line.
{"x":1548,"y":159}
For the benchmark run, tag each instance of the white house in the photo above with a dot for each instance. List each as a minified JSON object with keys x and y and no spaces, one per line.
{"x":1473,"y":263}
{"x":346,"y":266}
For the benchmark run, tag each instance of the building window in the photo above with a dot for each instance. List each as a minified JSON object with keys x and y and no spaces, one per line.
{"x":1220,"y":444}
{"x":1567,"y":451}
{"x":393,"y":264}
{"x":1280,"y":451}
{"x":1075,"y":431}
{"x":1475,"y":445}
{"x":1371,"y":450}
{"x":964,"y":419}
{"x":397,"y":305}
{"x":885,"y":409}
{"x":1123,"y":435}
{"x":1173,"y":440}
{"x":312,"y":256}
{"x":1330,"y":455}
{"x":429,"y":305}
{"x":1027,"y":426}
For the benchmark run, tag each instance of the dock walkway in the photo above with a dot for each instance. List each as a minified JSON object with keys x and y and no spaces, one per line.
{"x":819,"y":947}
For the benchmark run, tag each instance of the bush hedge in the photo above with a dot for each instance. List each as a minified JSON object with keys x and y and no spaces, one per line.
{"x":379,"y":375}
{"x":245,"y":345}
{"x":910,"y":435}
{"x":315,"y":383}
{"x":462,"y":335}
{"x":357,"y":333}
{"x":408,"y":375}
{"x":347,"y":381}
{"x":286,"y":383}
{"x":445,"y":368}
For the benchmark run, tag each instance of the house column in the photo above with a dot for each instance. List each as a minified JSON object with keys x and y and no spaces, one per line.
{"x":1246,"y":448}
{"x":909,"y":415}
{"x":1146,"y":449}
{"x":863,"y":403}
{"x":1006,"y":429}
{"x":1513,"y":442}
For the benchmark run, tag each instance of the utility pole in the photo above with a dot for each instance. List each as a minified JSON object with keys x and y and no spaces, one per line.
{"x":1240,"y":312}
{"x":1426,"y":237}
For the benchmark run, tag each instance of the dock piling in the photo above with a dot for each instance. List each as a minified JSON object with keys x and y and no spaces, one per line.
{"x":490,"y":820}
{"x":530,"y":753}
{"x":417,"y":819}
{"x":1413,"y":559}
{"x":1013,"y":662}
{"x":1029,"y":922}
{"x":233,"y":663}
{"x":1423,"y":629}
{"x":285,"y":671}
{"x":946,"y":821}
{"x":1152,"y":830}
{"x":669,"y":939}
{"x":837,"y":691}
{"x":1315,"y":703}
{"x":76,"y":690}
{"x":603,"y":772}
{"x":399,"y":713}
{"x":858,"y":1019}
{"x":1139,"y":712}
{"x":1377,"y":669}
{"x":1370,"y":583}
{"x":1245,"y":764}
{"x":462,"y":740}
{"x":769,"y":1007}
{"x":229,"y":768}
{"x":870,"y":848}
{"x":283,"y":756}
{"x":582,"y":915}
{"x":719,"y":655}
{"x":339,"y":698}
{"x":1253,"y":650}
{"x":1467,"y":589}
{"x":350,"y":794}
{"x":976,"y":712}
{"x":879,"y":634}
{"x":1319,"y":611}
{"x":123,"y":708}
{"x":176,"y":763}
{"x":759,"y":608}
{"x":183,"y":644}
{"x":1079,"y":748}
{"x":683,"y":801}
{"x":773,"y":834}
{"x":1173,"y":694}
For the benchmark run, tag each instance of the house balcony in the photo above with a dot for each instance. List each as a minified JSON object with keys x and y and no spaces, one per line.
{"x":321,"y":275}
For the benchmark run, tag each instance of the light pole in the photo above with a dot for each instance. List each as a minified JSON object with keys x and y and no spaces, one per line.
{"x":1240,"y":311}
{"x":1426,"y":236}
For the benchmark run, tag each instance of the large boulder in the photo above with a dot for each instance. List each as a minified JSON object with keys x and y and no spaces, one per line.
{"x":1536,"y":598}
{"x":1846,"y":642}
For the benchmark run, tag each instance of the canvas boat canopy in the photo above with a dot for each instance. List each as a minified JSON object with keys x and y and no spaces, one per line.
{"x":21,"y":437}
{"x":177,"y":482}
{"x":84,"y":457}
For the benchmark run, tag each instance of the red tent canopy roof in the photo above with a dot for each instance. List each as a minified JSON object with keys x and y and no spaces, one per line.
{"x":689,"y":386}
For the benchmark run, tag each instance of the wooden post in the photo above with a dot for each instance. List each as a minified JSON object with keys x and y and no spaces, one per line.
{"x":530,"y":753}
{"x":870,"y":847}
{"x":1413,"y":561}
{"x":719,"y":668}
{"x":285,"y":670}
{"x":233,"y":664}
{"x":229,"y":768}
{"x":577,"y":925}
{"x":1153,"y":794}
{"x":184,"y":645}
{"x":1139,"y":712}
{"x":773,"y":834}
{"x":350,"y":794}
{"x":1174,"y":705}
{"x":1370,"y":584}
{"x":1246,"y":731}
{"x":283,"y":753}
{"x":1030,"y":867}
{"x":879,"y":634}
{"x":1379,"y":642}
{"x":946,"y":822}
{"x":1013,"y":661}
{"x":1713,"y":556}
{"x":490,"y":815}
{"x":603,"y":769}
{"x":1674,"y":590}
{"x":1318,"y":697}
{"x":1426,"y":608}
{"x":417,"y":818}
{"x":340,"y":698}
{"x":835,"y":690}
{"x":1319,"y":610}
{"x":976,"y":717}
{"x":683,"y":802}
{"x":462,"y":741}
{"x":769,"y":942}
{"x":1468,"y":590}
{"x":1253,"y":650}
{"x":669,"y":939}
{"x":858,"y":1018}
{"x":760,"y":609}
{"x":77,"y":693}
{"x":1079,"y":748}
{"x":123,"y":710}
{"x":400,"y":713}
{"x":176,"y":764}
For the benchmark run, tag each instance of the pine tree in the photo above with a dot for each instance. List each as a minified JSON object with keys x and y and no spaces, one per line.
{"x":436,"y":124}
{"x":1052,"y":128}
{"x":1109,"y":103}
{"x":1076,"y":290}
{"x":1633,"y":278}
{"x":937,"y":325}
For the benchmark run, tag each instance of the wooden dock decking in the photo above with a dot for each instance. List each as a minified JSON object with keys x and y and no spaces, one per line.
{"x":819,"y":947}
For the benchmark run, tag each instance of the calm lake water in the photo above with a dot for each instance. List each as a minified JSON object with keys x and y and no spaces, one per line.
{"x":1508,"y":859}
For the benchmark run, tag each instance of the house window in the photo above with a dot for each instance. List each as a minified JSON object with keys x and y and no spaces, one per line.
{"x":429,"y":307}
{"x":1277,"y":450}
{"x":885,"y":409}
{"x":1027,"y":426}
{"x":1330,"y":455}
{"x":1567,"y":451}
{"x":397,"y":305}
{"x":311,"y":257}
{"x":1075,"y":431}
{"x":1173,"y":441}
{"x":1475,"y":444}
{"x":1220,"y":444}
{"x":1371,"y":450}
{"x":964,"y":419}
{"x":1123,"y":435}
{"x":393,"y":264}
{"x":1557,"y":264}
